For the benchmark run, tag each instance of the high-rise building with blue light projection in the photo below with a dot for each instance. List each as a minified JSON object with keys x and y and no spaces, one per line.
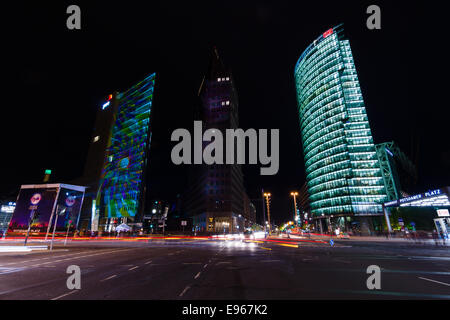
{"x":123,"y":145}
{"x":342,"y":170}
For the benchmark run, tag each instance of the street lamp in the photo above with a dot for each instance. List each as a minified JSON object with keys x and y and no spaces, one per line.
{"x":267,"y":196}
{"x":294,"y":194}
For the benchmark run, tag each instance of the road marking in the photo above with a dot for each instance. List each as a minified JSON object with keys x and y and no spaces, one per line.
{"x":205,"y":266}
{"x":265,"y":248}
{"x":66,"y":294}
{"x":148,"y":262}
{"x":66,"y":255}
{"x":9,"y":270}
{"x":445,"y":284}
{"x":197,"y":275}
{"x":222,"y":262}
{"x":133,"y":268}
{"x":91,"y":255}
{"x":109,"y":277}
{"x":343,"y":261}
{"x":184,"y":291}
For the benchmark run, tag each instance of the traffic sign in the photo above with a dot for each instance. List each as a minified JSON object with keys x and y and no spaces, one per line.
{"x":184,"y":223}
{"x":331,"y":242}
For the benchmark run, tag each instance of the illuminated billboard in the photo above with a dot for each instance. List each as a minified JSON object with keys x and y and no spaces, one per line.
{"x":121,"y":181}
{"x":40,"y":201}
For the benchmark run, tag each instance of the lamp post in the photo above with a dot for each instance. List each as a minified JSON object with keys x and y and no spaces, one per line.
{"x":294,"y":194}
{"x":267,"y":196}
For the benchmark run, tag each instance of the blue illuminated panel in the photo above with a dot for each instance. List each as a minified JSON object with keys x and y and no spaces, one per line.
{"x":120,"y":190}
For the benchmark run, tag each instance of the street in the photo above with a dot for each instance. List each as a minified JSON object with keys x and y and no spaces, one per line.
{"x":232,"y":269}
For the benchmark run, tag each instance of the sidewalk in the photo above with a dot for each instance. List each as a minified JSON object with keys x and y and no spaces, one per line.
{"x":364,"y":239}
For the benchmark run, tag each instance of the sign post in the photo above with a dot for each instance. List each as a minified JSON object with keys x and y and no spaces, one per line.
{"x":67,"y":233}
{"x":35,"y":199}
{"x":54,"y":227}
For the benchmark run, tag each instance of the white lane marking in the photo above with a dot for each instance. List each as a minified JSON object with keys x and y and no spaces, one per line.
{"x":205,"y":266}
{"x":91,"y":255}
{"x":445,"y":284}
{"x":222,"y":262}
{"x":148,"y":262}
{"x":184,"y":291}
{"x":66,"y":294}
{"x":113,"y":276}
{"x":66,"y":255}
{"x":197,"y":275}
{"x":133,"y":268}
{"x":9,"y":270}
{"x":343,"y":261}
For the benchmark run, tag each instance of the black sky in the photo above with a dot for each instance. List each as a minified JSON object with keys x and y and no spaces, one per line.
{"x":57,"y":79}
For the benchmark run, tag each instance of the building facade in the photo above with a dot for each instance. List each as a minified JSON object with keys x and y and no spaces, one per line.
{"x":343,"y":173}
{"x":216,"y":200}
{"x":6,"y":212}
{"x":115,"y":170}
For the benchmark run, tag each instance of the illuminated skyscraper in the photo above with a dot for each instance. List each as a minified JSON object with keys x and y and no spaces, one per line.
{"x":342,"y":169}
{"x":117,"y":158}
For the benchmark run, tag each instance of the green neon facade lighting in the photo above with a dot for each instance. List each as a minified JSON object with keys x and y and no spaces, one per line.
{"x":342,"y":169}
{"x":123,"y":171}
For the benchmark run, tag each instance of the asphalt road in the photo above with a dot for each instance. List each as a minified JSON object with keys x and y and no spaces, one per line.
{"x":214,"y":270}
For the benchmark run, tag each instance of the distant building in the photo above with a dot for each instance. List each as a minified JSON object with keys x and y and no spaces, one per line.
{"x":303,"y":202}
{"x":216,"y":199}
{"x":154,"y":215}
{"x":6,"y":212}
{"x":117,"y":159}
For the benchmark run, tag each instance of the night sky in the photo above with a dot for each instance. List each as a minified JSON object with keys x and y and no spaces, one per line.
{"x":56,"y":80}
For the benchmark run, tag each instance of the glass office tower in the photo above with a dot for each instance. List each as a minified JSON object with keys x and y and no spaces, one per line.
{"x":342,"y":170}
{"x":120,"y":190}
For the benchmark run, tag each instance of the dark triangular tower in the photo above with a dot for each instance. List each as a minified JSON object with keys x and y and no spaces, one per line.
{"x":217,"y":200}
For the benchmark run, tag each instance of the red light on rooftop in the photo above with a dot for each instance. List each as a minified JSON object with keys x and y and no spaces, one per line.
{"x":327,"y":33}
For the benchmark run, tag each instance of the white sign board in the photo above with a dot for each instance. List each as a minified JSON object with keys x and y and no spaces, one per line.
{"x":443,"y":213}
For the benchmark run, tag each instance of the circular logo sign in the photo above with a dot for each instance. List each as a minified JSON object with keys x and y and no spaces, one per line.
{"x":36,"y":198}
{"x":70,"y":201}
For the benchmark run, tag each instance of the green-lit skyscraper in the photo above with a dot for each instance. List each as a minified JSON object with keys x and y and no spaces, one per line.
{"x":342,"y":169}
